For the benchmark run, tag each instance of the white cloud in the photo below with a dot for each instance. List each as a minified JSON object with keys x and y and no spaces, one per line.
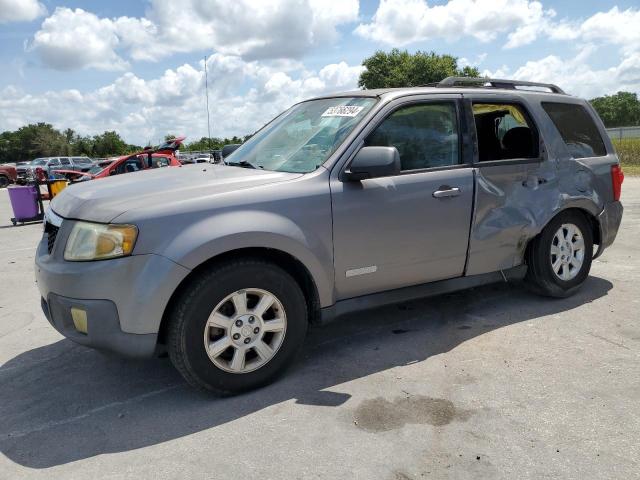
{"x":71,"y":39}
{"x":145,"y":110}
{"x":575,"y":76}
{"x":400,"y":22}
{"x":613,"y":27}
{"x":253,"y":30}
{"x":20,"y":10}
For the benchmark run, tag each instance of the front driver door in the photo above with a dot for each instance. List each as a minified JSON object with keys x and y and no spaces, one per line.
{"x":411,"y":228}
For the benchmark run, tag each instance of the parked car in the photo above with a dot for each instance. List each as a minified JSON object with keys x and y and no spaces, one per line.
{"x":342,"y":203}
{"x":8,"y":175}
{"x":190,"y":161}
{"x":162,"y":156}
{"x":52,"y":165}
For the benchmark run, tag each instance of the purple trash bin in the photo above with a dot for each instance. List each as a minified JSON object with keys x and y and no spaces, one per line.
{"x":24,"y":201}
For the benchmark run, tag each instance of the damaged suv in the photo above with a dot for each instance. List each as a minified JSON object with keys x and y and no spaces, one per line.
{"x":341,"y":203}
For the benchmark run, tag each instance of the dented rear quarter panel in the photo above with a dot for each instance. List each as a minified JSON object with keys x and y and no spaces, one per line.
{"x":514,"y":202}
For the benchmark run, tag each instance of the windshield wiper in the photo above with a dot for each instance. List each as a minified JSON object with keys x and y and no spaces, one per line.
{"x":243,"y":164}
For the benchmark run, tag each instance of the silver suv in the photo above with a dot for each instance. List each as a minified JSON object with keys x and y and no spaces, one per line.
{"x":50,"y":165}
{"x":341,"y":203}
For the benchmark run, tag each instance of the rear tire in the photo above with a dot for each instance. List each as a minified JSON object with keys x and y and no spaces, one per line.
{"x":4,"y":181}
{"x":559,"y":258}
{"x":220,"y":339}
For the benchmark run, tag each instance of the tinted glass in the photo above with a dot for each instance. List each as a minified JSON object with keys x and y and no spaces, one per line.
{"x":577,"y":129}
{"x":425,"y":135}
{"x":303,"y":137}
{"x":504,"y":132}
{"x":54,"y":161}
{"x":65,"y":161}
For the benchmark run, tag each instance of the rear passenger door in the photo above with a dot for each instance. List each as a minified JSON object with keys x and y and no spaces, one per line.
{"x":411,"y":228}
{"x":513,"y":174}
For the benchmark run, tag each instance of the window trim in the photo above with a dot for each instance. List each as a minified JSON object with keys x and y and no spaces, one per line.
{"x":593,"y":121}
{"x":461,"y":131}
{"x":469,"y":101}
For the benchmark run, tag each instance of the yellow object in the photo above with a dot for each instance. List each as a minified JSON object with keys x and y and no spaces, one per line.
{"x":79,"y":317}
{"x":479,"y":108}
{"x":57,"y":186}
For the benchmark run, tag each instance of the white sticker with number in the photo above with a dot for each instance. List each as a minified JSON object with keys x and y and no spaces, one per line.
{"x":342,"y":111}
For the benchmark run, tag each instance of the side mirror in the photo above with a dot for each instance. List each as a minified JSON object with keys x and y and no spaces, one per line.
{"x":229,"y":149}
{"x":373,"y":162}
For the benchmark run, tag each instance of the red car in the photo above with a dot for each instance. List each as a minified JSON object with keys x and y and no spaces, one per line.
{"x":162,"y":156}
{"x":7,"y":175}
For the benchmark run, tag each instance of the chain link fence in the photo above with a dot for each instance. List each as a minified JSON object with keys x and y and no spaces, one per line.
{"x":620,"y":133}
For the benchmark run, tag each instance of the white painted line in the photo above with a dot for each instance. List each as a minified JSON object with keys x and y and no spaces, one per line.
{"x":56,"y":423}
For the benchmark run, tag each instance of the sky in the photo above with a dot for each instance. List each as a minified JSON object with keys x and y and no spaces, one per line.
{"x":137,"y":67}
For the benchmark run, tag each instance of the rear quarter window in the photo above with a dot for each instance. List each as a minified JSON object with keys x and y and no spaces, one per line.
{"x":576,"y":128}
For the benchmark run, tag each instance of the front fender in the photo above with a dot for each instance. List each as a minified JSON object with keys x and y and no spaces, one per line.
{"x":214,"y":235}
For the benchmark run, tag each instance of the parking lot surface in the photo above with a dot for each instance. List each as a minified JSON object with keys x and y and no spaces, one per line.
{"x":493,"y":382}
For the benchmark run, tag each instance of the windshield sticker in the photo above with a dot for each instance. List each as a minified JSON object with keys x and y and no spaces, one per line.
{"x":342,"y":111}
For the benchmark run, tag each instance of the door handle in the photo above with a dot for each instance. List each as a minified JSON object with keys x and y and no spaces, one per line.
{"x":445,"y":191}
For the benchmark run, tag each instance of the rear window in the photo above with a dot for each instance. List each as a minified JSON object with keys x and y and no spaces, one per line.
{"x":577,"y":129}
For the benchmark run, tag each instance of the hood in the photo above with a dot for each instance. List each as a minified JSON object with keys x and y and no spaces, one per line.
{"x":102,"y":200}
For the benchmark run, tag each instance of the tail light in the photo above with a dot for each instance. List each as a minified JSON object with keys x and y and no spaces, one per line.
{"x":617,"y":177}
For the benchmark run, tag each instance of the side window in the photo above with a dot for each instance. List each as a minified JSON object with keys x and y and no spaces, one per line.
{"x":54,"y":162}
{"x":65,"y":161}
{"x":158,"y":162}
{"x":504,"y":132}
{"x":576,"y":128}
{"x":425,"y":135}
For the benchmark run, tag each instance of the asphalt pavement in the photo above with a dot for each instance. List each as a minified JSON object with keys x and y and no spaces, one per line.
{"x":493,"y":382}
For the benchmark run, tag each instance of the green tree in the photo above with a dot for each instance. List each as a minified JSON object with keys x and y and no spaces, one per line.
{"x":399,"y":68}
{"x":109,"y":144}
{"x":619,"y":110}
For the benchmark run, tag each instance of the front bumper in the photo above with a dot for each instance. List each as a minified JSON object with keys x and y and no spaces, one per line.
{"x":609,"y":223}
{"x":124,"y":298}
{"x":103,"y":332}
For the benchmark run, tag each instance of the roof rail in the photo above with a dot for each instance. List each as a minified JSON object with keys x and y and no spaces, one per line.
{"x":496,"y":83}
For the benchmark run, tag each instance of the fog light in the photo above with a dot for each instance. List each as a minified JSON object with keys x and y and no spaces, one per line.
{"x":79,"y":319}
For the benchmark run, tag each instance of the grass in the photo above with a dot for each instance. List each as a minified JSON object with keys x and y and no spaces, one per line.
{"x":628,"y":150}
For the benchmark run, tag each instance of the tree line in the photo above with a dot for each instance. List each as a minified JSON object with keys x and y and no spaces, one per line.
{"x":397,"y":68}
{"x":43,"y":140}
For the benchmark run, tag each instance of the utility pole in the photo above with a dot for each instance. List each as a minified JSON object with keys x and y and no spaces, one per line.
{"x":206,"y":89}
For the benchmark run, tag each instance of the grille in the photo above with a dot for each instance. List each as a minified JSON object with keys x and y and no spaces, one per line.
{"x":52,"y":232}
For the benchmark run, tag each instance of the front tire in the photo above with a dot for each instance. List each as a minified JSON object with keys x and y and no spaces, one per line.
{"x":559,"y":259}
{"x":237,"y":326}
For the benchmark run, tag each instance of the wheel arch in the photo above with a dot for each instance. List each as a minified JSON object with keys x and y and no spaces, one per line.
{"x":588,"y":215}
{"x":284,"y":260}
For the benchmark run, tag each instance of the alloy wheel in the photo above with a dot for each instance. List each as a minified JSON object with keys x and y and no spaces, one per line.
{"x":245,"y":330}
{"x":567,"y":252}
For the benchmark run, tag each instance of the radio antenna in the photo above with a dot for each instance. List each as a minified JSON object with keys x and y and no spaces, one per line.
{"x":206,"y":89}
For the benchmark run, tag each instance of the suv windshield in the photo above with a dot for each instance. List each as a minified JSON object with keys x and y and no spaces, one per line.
{"x":302,"y":138}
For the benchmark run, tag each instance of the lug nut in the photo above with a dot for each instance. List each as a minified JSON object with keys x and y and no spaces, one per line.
{"x":236,"y":336}
{"x":247,"y":340}
{"x":252,"y":319}
{"x":238,"y":323}
{"x":256,"y":330}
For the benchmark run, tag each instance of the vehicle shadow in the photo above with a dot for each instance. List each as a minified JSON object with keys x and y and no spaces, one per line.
{"x":64,"y":402}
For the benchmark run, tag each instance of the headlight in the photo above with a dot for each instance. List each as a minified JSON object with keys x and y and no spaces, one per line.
{"x":95,"y":241}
